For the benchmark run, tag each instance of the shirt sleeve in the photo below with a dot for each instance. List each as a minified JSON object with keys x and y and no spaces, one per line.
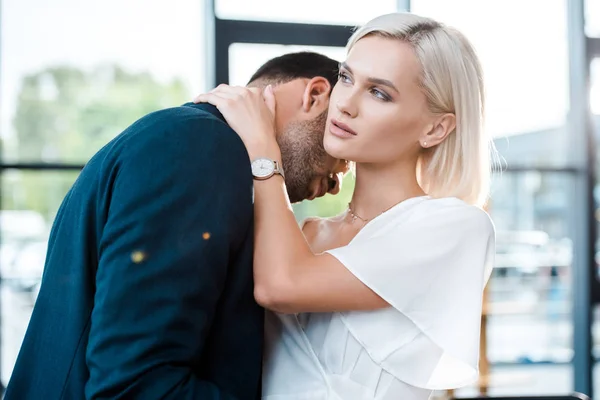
{"x":431,"y":268}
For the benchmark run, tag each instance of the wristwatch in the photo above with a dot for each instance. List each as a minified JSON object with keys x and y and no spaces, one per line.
{"x":264,"y":168}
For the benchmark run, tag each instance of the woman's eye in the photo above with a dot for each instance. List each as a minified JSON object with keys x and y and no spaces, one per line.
{"x":343,"y":77}
{"x":380,"y":95}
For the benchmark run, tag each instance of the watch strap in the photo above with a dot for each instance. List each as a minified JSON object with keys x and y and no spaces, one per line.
{"x":278,"y":169}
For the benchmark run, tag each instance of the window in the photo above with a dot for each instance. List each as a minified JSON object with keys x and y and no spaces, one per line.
{"x":528,"y":309}
{"x":595,"y":86}
{"x":592,"y":18}
{"x":74,"y":74}
{"x":29,"y":203}
{"x":338,"y":12}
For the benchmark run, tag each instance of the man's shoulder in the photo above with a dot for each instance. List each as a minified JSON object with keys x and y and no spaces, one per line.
{"x":171,"y":133}
{"x":193,"y":124}
{"x":188,"y":114}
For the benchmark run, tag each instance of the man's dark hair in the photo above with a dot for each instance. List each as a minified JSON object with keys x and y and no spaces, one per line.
{"x":292,"y":66}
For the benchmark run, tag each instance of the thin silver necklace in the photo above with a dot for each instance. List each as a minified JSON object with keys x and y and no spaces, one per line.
{"x":355,"y":216}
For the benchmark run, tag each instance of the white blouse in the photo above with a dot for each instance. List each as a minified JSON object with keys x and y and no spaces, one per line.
{"x":429,"y":259}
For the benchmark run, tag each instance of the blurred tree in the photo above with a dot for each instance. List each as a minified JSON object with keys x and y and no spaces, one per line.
{"x":65,"y":115}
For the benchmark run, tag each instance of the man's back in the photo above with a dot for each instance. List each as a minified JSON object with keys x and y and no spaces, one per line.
{"x":147,"y":290}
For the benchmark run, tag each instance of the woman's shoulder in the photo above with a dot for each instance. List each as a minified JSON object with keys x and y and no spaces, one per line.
{"x":452,"y":211}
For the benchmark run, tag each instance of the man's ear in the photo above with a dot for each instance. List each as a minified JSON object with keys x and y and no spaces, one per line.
{"x":316,"y":95}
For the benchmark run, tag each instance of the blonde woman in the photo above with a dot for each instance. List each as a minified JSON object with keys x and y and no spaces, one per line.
{"x":384,"y":300}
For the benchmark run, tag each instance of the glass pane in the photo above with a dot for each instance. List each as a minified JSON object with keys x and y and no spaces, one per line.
{"x":596,"y":349}
{"x":595,"y":108}
{"x":29,"y":203}
{"x":100,"y":66}
{"x":595,"y":86}
{"x":592,"y":18}
{"x":336,"y":12}
{"x":527,"y":316}
{"x":244,"y":60}
{"x":595,"y":125}
{"x":525,"y":67}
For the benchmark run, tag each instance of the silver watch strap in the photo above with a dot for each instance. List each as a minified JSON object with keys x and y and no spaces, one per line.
{"x":278,"y":169}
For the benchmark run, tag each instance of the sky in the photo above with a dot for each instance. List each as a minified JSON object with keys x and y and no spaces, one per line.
{"x":522,"y":45}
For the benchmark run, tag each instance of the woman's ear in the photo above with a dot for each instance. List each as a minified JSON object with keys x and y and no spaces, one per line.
{"x":442,"y":127}
{"x":316,"y":95}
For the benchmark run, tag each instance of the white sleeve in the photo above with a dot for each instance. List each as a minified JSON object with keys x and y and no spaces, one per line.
{"x":431,"y":268}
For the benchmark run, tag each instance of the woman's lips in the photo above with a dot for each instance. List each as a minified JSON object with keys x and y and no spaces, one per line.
{"x":340,"y":129}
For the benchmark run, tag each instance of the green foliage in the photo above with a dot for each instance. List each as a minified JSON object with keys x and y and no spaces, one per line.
{"x":65,"y":115}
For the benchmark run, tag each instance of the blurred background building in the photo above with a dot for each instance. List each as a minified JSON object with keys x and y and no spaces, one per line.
{"x":75,"y":73}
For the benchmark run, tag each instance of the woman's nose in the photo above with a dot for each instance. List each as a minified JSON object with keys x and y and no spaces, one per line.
{"x":346,"y":106}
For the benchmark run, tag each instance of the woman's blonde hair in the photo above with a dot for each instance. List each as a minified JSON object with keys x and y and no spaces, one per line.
{"x":452,"y":81}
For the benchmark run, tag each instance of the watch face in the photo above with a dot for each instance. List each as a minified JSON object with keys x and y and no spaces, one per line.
{"x":262,"y":167}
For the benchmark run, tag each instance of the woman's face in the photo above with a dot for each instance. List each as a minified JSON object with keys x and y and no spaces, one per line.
{"x":378,"y":113}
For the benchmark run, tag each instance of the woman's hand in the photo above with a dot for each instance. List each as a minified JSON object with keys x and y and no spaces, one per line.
{"x":250,"y":112}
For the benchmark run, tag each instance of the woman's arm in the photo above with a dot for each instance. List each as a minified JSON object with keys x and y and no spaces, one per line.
{"x":288,"y":276}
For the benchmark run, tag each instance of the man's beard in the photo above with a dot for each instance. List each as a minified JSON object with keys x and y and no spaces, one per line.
{"x":303,"y":155}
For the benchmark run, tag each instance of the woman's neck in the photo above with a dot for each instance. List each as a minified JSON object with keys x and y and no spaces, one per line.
{"x":378,"y":188}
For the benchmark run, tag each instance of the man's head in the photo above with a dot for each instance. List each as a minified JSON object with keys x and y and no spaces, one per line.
{"x":302,"y":83}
